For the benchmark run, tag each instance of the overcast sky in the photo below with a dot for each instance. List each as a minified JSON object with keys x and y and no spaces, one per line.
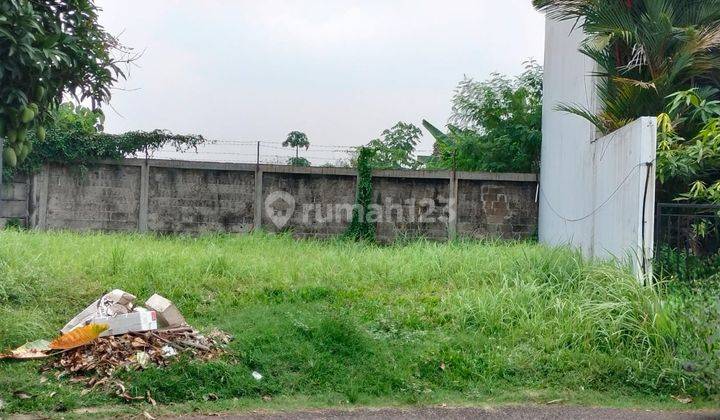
{"x":339,"y":70}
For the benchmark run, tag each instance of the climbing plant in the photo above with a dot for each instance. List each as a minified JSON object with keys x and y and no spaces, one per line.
{"x":361,"y":228}
{"x":75,"y":139}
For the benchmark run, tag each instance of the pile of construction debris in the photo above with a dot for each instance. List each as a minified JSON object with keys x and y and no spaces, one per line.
{"x":113,"y":333}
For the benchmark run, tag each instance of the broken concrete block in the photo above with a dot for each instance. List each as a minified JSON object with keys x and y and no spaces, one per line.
{"x":124,"y":323}
{"x":168,"y":314}
{"x":114,"y":303}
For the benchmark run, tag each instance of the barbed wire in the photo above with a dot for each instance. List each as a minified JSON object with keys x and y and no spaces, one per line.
{"x":265,"y":151}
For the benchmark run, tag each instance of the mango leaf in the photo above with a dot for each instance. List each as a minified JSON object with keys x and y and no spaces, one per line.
{"x":78,"y":337}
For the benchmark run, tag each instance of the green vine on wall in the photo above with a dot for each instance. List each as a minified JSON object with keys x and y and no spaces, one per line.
{"x":360,"y":227}
{"x":75,"y":139}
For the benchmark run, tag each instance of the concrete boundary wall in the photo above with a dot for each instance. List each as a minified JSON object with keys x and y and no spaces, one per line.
{"x":193,"y":197}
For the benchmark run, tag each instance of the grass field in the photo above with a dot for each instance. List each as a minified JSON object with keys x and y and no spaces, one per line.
{"x":333,"y":323}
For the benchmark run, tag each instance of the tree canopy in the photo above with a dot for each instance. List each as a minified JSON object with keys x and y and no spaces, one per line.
{"x":395,"y":147}
{"x":297,"y":139}
{"x":495,"y":124}
{"x":49,"y":49}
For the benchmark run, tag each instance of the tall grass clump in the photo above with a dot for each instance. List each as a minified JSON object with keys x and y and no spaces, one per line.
{"x":405,"y":321}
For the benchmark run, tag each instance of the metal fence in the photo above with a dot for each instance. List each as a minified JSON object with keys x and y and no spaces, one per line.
{"x":687,"y":240}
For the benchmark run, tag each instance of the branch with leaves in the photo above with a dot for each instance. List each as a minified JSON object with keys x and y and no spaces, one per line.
{"x":74,"y":139}
{"x":49,"y":49}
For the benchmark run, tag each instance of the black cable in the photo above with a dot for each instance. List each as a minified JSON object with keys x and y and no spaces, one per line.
{"x":597,"y":209}
{"x":644,"y":219}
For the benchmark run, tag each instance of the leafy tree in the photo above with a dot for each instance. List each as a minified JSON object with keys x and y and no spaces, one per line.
{"x":495,"y":125}
{"x":298,"y":161}
{"x":688,"y":156}
{"x":395,"y":147}
{"x":49,"y":49}
{"x":646,"y":50}
{"x":297,"y":140}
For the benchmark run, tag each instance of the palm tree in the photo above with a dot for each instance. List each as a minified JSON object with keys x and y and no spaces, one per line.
{"x":646,"y":50}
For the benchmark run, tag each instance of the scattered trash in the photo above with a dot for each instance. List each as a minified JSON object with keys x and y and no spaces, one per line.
{"x":148,"y":416}
{"x":168,"y":351}
{"x":257,"y":375}
{"x":22,"y":395}
{"x":112,"y":334}
{"x":210,"y":397}
{"x":95,"y":364}
{"x":150,"y":399}
{"x":111,"y":304}
{"x":220,"y":336}
{"x":168,"y":316}
{"x":682,"y":399}
{"x":142,"y":359}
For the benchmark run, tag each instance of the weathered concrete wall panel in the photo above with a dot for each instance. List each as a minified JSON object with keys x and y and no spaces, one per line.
{"x":321,"y":205}
{"x":14,"y":200}
{"x":491,"y":209}
{"x":200,"y":200}
{"x":411,"y":207}
{"x":107,"y":197}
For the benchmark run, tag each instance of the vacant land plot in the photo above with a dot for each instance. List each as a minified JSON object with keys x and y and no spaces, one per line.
{"x":339,"y":322}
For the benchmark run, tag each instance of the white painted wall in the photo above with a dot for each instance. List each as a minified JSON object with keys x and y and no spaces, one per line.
{"x":566,"y":149}
{"x":624,"y":166}
{"x":592,"y":190}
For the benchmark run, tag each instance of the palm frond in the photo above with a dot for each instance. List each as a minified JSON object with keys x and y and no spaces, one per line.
{"x":585,"y":113}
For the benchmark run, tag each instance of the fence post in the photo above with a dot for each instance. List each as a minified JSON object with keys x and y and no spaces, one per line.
{"x":144,"y":196}
{"x":43,"y":190}
{"x":453,"y":202}
{"x":452,"y":206}
{"x":257,"y":217}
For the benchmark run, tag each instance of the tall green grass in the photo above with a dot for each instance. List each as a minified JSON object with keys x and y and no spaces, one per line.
{"x":360,"y":320}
